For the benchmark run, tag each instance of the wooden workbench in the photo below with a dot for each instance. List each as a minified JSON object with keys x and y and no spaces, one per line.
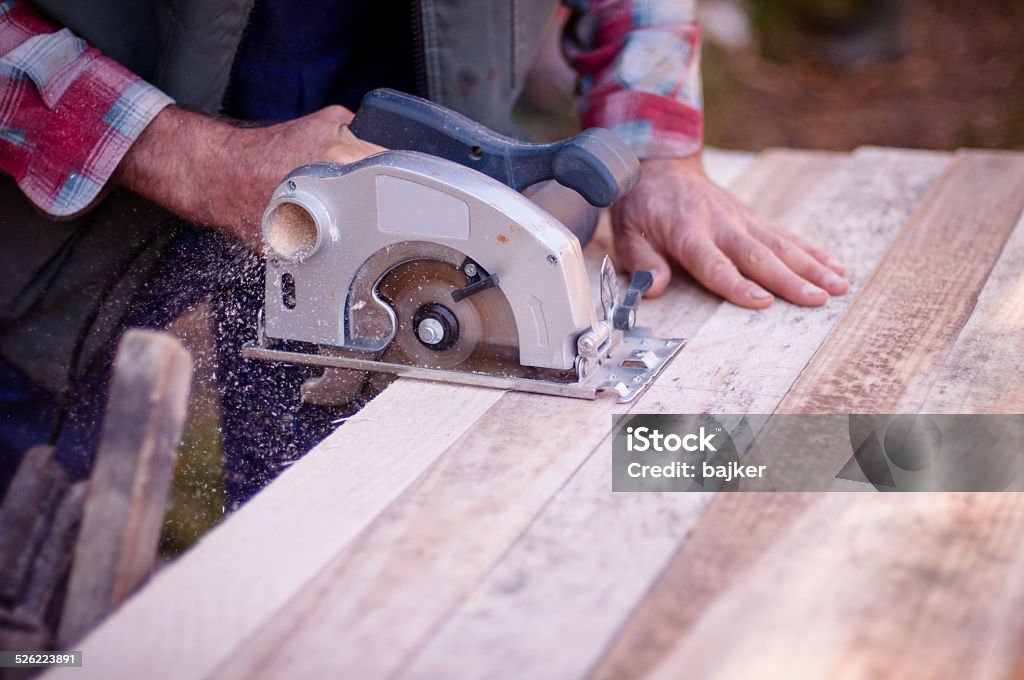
{"x":456,"y":532}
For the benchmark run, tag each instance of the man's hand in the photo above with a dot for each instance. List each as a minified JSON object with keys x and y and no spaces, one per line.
{"x":677,"y":213}
{"x":222,"y":176}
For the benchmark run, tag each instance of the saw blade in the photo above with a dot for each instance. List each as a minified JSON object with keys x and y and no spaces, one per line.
{"x":483,"y":337}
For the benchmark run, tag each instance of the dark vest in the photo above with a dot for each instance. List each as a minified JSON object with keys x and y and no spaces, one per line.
{"x":66,"y":286}
{"x":476,"y":53}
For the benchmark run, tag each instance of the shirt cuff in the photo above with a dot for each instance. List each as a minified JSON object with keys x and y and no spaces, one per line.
{"x":85,"y":134}
{"x":652,"y":125}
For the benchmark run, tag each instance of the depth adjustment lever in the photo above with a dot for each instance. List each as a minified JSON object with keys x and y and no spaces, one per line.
{"x":624,"y":315}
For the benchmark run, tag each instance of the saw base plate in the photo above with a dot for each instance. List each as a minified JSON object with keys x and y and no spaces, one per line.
{"x":626,"y":371}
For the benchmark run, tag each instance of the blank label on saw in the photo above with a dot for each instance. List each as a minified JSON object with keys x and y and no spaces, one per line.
{"x":406,"y":207}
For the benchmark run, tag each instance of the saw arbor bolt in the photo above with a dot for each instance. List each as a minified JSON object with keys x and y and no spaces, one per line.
{"x":436,"y":326}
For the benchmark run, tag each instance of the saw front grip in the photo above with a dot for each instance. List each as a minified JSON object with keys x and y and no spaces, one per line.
{"x":595,"y":163}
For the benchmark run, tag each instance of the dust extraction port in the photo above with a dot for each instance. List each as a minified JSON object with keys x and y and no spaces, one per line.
{"x":291,"y":232}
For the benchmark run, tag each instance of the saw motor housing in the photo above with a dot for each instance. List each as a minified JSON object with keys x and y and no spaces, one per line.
{"x":332,"y":231}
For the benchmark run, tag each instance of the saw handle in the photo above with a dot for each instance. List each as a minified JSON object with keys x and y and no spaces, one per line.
{"x":595,"y":163}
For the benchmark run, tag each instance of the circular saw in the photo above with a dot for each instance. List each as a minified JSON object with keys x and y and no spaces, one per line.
{"x":428,"y":261}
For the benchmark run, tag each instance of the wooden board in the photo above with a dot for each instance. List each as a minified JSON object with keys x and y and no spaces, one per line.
{"x":902,"y":326}
{"x":873,"y":569}
{"x":488,"y":486}
{"x":866,"y":586}
{"x":28,"y":507}
{"x":921,"y":585}
{"x":889,"y":350}
{"x":190,"y":617}
{"x":982,"y":373}
{"x":45,"y":588}
{"x":131,"y":476}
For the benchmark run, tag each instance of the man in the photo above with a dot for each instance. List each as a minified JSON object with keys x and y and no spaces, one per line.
{"x":75,"y":124}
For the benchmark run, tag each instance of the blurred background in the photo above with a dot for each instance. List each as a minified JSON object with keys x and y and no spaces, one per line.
{"x":837,"y":74}
{"x":826,"y":74}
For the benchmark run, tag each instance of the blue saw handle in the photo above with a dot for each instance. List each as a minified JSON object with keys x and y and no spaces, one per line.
{"x":596,"y":163}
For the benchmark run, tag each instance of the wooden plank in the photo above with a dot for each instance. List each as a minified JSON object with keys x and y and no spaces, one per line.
{"x":32,"y":498}
{"x":127,"y":495}
{"x":887,"y":352}
{"x":923,"y":635}
{"x":743,"y":538}
{"x":869,"y":586}
{"x":983,"y":371}
{"x":191,"y":616}
{"x":584,"y":563}
{"x":724,"y":368}
{"x":900,"y":329}
{"x":713,"y":557}
{"x":29,"y":627}
{"x":457,"y":519}
{"x":418,"y":559}
{"x":45,"y":589}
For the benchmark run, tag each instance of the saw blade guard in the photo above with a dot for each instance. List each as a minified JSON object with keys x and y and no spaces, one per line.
{"x":332,"y":232}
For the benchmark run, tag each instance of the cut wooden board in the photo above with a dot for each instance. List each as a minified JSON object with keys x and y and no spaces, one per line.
{"x":439,"y":539}
{"x":420,"y":558}
{"x":581,"y":567}
{"x":191,"y":616}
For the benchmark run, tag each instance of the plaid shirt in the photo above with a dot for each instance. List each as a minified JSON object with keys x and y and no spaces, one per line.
{"x":68,"y":114}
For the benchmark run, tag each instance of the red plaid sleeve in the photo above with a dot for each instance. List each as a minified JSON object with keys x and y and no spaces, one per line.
{"x":639,"y":67}
{"x":67,"y":113}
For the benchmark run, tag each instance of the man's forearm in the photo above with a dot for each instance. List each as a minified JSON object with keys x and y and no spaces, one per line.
{"x":221,"y":175}
{"x":182,"y":161}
